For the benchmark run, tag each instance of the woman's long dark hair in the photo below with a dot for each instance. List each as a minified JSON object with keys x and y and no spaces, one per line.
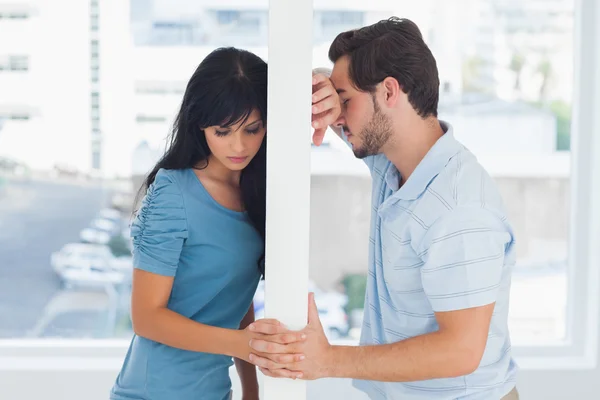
{"x":224,"y":90}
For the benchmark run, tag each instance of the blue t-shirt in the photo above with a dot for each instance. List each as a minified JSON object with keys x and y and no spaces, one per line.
{"x":213,"y":253}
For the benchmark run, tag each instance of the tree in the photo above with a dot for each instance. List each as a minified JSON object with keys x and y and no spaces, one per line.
{"x":471,"y":73}
{"x":118,"y":246}
{"x":562,"y":111}
{"x":516,"y":65}
{"x":356,"y":286}
{"x":545,"y":70}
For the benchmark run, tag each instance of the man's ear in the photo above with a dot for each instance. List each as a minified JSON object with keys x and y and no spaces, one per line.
{"x":392,"y":91}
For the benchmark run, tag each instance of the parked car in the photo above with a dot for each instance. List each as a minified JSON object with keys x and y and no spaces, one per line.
{"x":13,"y":167}
{"x":91,"y":277}
{"x":110,"y":214}
{"x":122,"y":201}
{"x":63,"y":170}
{"x":82,"y":262}
{"x":100,"y":231}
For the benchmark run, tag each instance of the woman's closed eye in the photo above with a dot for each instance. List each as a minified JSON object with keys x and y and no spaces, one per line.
{"x":252,"y":131}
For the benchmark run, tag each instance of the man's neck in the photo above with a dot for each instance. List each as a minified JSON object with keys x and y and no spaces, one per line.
{"x":411,"y":142}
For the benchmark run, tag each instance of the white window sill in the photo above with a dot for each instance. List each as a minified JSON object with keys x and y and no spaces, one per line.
{"x":107,"y":355}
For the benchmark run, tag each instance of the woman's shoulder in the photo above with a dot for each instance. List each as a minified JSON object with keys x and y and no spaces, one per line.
{"x":163,"y":197}
{"x":167,"y":176}
{"x":168,"y":188}
{"x":173,"y":180}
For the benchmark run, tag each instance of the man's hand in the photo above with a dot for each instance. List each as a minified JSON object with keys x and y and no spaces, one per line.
{"x":326,"y":108}
{"x":313,"y":354}
{"x":269,"y":330}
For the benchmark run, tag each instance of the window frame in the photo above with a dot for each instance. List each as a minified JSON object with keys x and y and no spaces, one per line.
{"x":580,"y":352}
{"x":580,"y":349}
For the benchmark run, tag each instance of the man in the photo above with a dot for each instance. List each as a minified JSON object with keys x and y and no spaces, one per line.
{"x":441,"y":250}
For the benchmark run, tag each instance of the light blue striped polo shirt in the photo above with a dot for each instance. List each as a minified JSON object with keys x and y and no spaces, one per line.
{"x":441,"y":242}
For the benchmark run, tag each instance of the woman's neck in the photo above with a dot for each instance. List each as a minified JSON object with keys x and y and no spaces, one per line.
{"x":216,"y":171}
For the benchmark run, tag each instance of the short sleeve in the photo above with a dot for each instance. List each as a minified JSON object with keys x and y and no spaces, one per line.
{"x":464,"y":258}
{"x":160,"y":227}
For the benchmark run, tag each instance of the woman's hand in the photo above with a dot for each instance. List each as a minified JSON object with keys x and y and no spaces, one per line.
{"x":272,"y":331}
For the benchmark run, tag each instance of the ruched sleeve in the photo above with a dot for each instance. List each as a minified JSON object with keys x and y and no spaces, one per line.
{"x":159,"y":229}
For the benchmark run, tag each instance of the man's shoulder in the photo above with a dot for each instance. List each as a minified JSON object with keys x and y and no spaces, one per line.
{"x":463,"y":185}
{"x":464,"y":181}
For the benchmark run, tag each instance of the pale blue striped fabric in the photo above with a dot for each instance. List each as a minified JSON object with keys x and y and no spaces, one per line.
{"x":441,"y":242}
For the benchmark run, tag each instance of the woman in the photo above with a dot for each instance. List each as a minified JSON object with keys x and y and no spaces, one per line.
{"x":199,"y":241}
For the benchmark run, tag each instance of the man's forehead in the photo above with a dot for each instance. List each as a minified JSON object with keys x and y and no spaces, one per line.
{"x":339,"y":74}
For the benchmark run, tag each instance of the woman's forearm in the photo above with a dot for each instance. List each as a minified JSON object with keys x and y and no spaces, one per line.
{"x":172,"y":329}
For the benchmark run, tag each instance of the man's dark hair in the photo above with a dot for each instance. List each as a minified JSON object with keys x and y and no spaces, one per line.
{"x":391,"y":48}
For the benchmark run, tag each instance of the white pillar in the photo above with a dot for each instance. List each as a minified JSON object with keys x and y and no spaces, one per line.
{"x":288,"y":174}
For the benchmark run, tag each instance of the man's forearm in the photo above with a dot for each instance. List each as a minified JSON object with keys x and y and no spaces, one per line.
{"x":429,"y":356}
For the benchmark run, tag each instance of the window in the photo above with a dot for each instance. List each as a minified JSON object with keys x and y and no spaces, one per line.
{"x":95,"y":96}
{"x":247,"y":20}
{"x":94,"y":15}
{"x":94,"y":79}
{"x":14,"y":116}
{"x":227,"y":16}
{"x":95,"y":62}
{"x":19,"y":117}
{"x":172,"y":33}
{"x":495,"y":71}
{"x":15,"y":63}
{"x":94,"y":48}
{"x":495,"y":91}
{"x":525,"y":82}
{"x":15,"y":11}
{"x":354,"y":18}
{"x":95,"y":74}
{"x":150,"y":118}
{"x":173,"y":88}
{"x":14,"y":15}
{"x":94,"y":22}
{"x":246,"y":27}
{"x":96,"y":164}
{"x":327,"y":24}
